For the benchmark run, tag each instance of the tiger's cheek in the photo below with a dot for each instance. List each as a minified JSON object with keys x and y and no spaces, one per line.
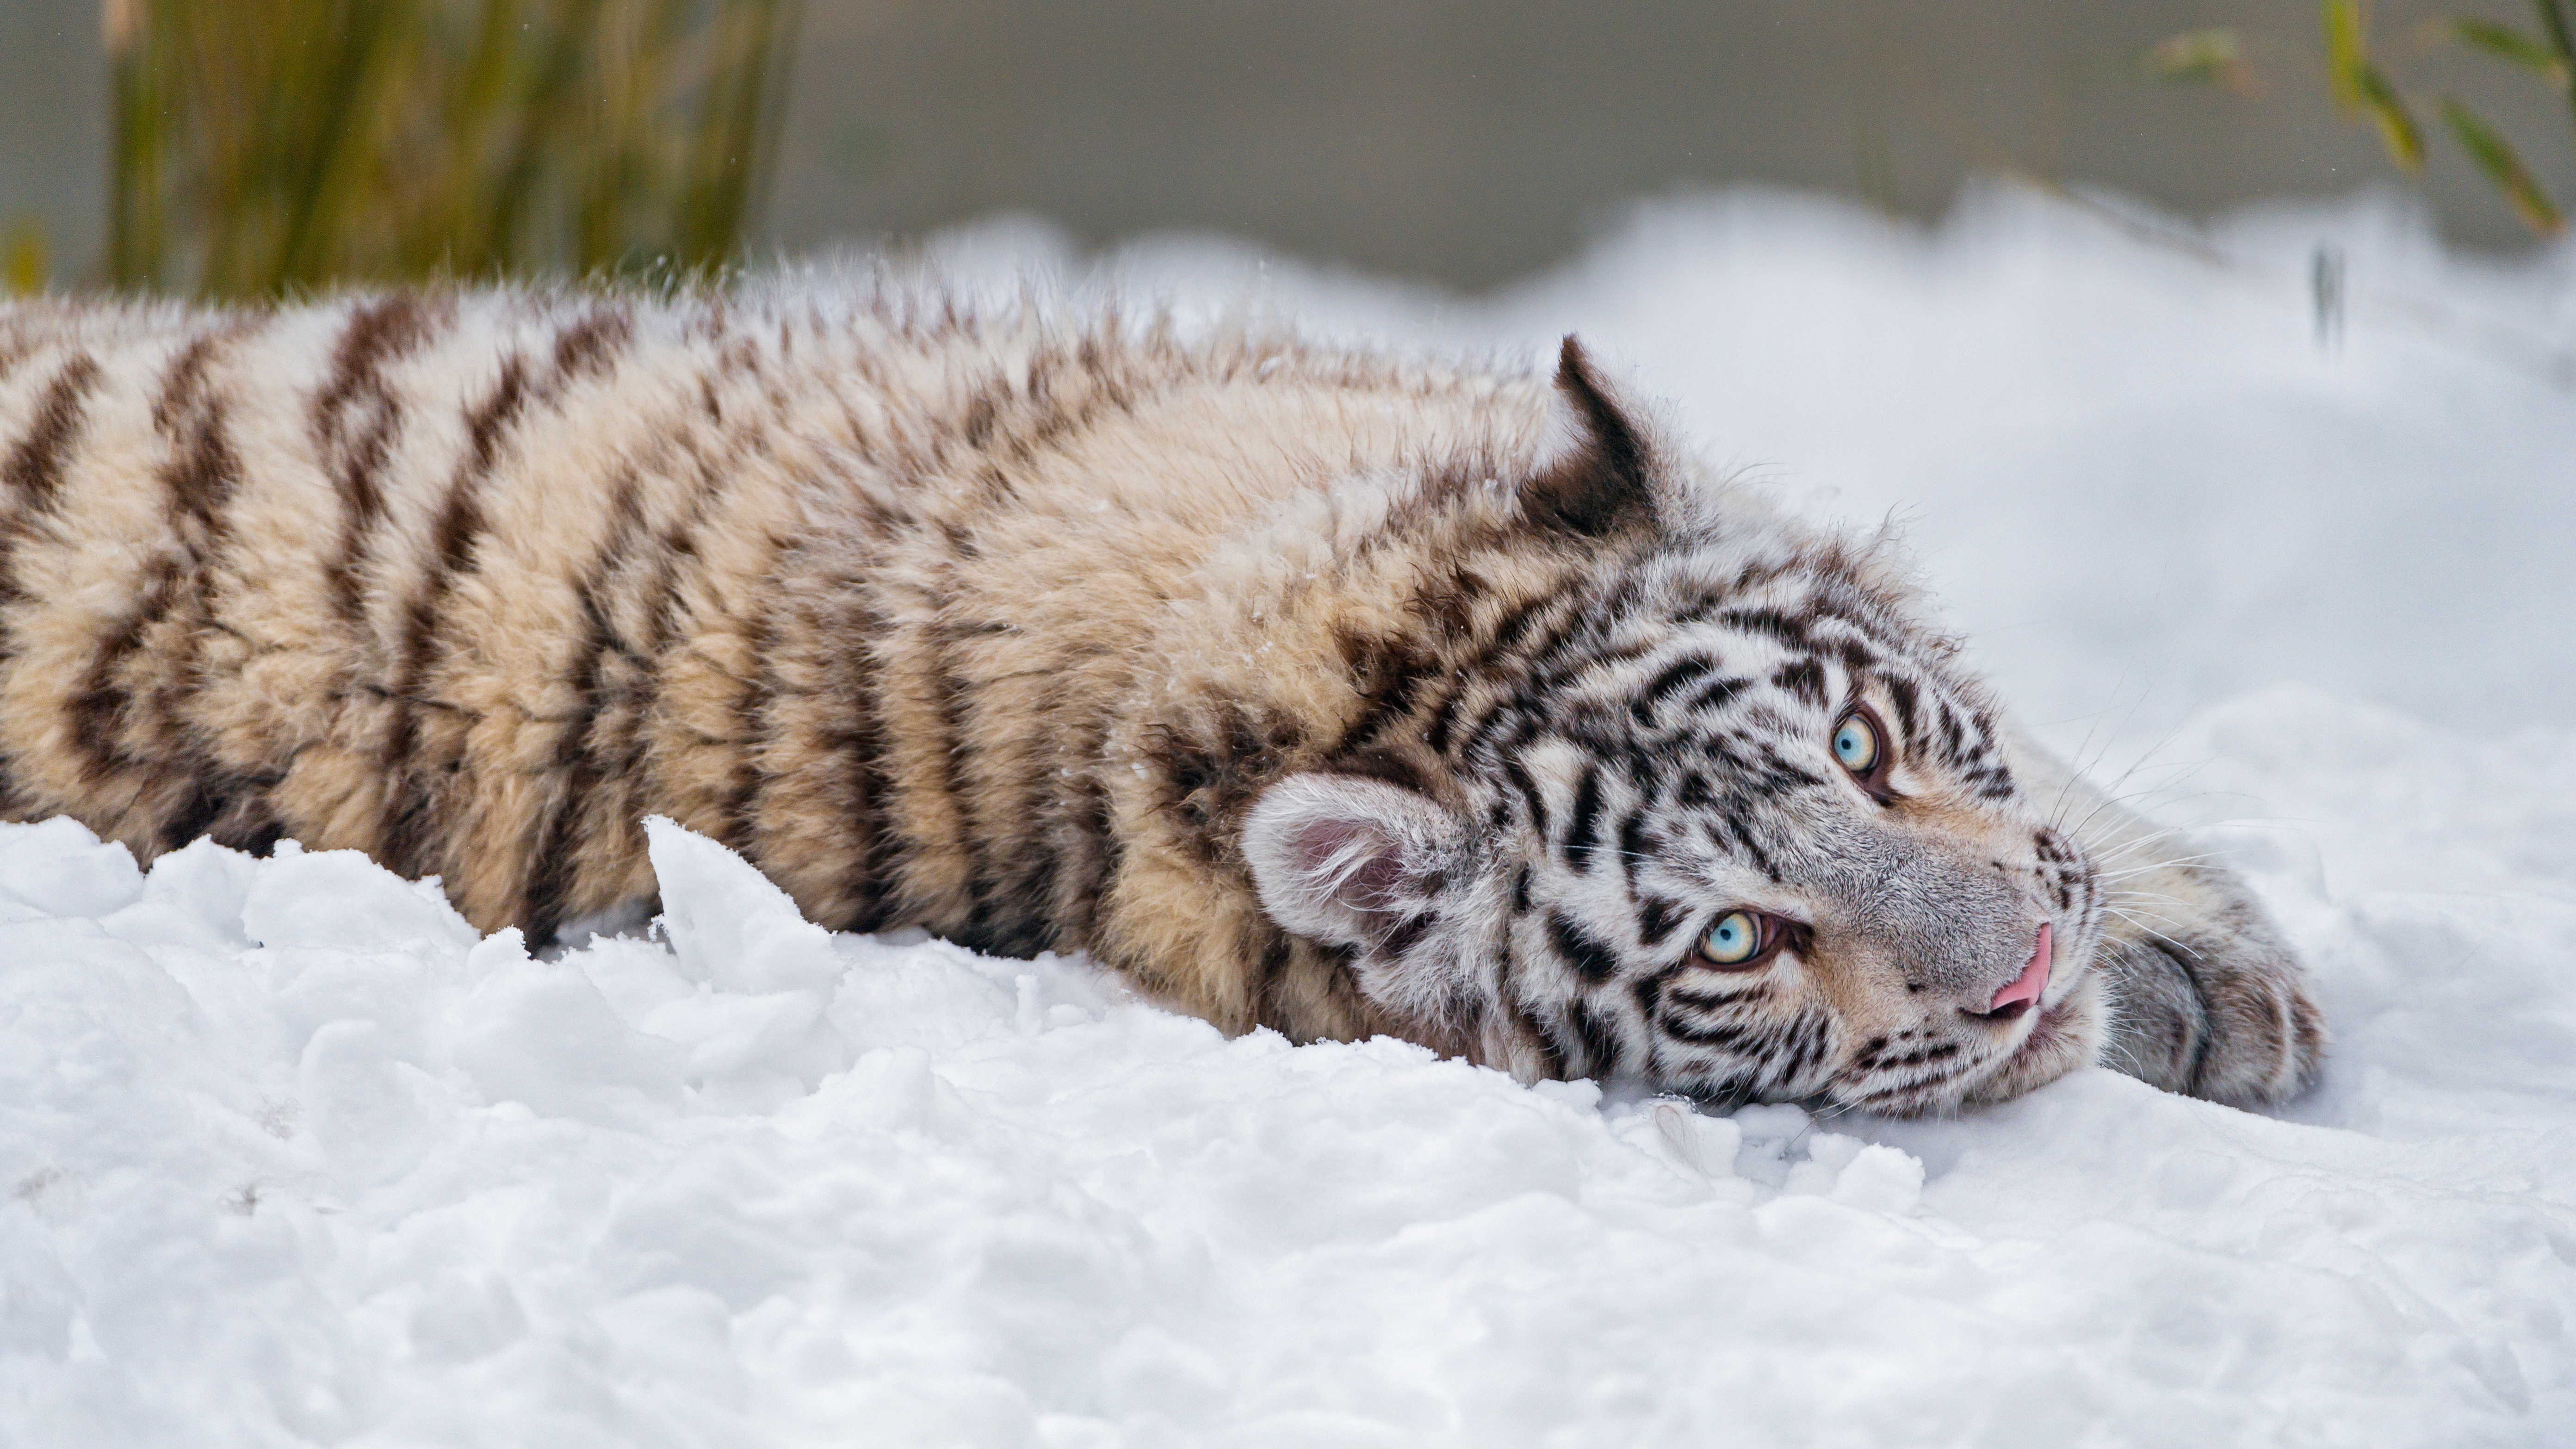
{"x":1859,"y":987}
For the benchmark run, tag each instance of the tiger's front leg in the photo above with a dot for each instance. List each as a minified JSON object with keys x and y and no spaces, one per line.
{"x":2203,"y":995}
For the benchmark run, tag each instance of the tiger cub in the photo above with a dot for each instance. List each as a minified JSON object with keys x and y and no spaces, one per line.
{"x":1303,"y":687}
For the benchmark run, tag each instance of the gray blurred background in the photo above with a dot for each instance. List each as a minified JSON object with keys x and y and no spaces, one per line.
{"x":1461,"y":141}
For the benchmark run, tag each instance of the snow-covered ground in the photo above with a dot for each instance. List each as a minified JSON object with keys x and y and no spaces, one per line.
{"x":291,"y":1156}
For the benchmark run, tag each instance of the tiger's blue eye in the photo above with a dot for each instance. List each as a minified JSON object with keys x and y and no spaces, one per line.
{"x":1734,"y":940}
{"x":1856,"y":745}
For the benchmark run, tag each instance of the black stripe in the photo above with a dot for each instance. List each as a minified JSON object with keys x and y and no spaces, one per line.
{"x":1386,"y":672}
{"x":956,"y":709}
{"x":863,"y":739}
{"x":1530,"y":796}
{"x":1742,"y":840}
{"x":1550,"y":1049}
{"x":1656,"y":918}
{"x":1901,"y":691}
{"x":755,"y":725}
{"x":657,"y":605}
{"x":1634,"y":847}
{"x":1405,"y":936}
{"x":1717,"y":695}
{"x":1581,"y":830}
{"x":1672,"y":681}
{"x":196,"y":482}
{"x":355,"y":419}
{"x":1600,"y":1042}
{"x":1586,"y":956}
{"x":33,"y":471}
{"x":1770,"y":622}
{"x":1804,"y":678}
{"x":98,"y":709}
{"x":1734,"y":1037}
{"x":591,"y":347}
{"x":552,"y":873}
{"x":1506,"y":634}
{"x":202,"y":479}
{"x":35,"y":466}
{"x":453,"y":541}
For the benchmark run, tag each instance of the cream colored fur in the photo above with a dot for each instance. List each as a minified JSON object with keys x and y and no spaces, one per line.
{"x":996,"y":626}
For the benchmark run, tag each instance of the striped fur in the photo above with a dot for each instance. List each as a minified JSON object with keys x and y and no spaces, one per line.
{"x":1014,"y":627}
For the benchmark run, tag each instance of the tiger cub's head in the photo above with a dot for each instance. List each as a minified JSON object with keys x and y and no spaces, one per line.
{"x":1723,"y":818}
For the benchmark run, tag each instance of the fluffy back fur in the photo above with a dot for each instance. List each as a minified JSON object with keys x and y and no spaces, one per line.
{"x":1306,"y":688}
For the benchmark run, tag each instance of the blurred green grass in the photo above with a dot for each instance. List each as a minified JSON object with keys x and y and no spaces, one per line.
{"x":2366,"y":88}
{"x":270,"y":147}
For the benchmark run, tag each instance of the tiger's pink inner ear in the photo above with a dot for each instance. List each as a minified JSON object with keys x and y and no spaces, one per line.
{"x":1346,"y":860}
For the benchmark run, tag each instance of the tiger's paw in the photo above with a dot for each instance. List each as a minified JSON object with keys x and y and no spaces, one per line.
{"x":2206,"y":997}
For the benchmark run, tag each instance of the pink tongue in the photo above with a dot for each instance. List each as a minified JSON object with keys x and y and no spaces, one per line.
{"x":2033,"y":979}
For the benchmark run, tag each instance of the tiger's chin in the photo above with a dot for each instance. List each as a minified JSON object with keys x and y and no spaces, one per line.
{"x":2064,"y":1036}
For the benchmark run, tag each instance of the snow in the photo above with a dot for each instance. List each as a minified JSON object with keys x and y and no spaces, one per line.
{"x":292,"y":1156}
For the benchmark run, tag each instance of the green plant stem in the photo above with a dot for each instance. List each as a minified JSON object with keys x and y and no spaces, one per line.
{"x":137,"y":233}
{"x":271,"y":146}
{"x":2553,"y":18}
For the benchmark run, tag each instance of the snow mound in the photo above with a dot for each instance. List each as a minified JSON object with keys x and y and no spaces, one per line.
{"x":292,"y":1156}
{"x":295,"y":1157}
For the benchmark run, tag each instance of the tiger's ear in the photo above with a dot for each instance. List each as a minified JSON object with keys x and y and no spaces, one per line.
{"x":1599,"y":474}
{"x":1348,"y":860}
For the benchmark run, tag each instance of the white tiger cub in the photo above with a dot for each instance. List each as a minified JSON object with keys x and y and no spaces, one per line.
{"x":1304,"y":687}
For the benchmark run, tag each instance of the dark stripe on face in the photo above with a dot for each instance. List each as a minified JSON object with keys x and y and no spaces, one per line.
{"x":1405,"y":937}
{"x":1581,"y":829}
{"x":1770,"y":623}
{"x":1948,"y":720}
{"x":1901,"y":692}
{"x":1634,"y":846}
{"x":1743,"y":843}
{"x":1582,"y":953}
{"x":1736,"y":1037}
{"x":1600,"y":1041}
{"x":1551,"y":1051}
{"x":1804,"y":678}
{"x":1530,"y":797}
{"x":1674,"y":679}
{"x":1882,"y":1060}
{"x":1807,"y":1049}
{"x":1716,"y":696}
{"x":1656,"y":918}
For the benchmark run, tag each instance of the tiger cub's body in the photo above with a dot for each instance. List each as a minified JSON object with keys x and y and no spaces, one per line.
{"x":1306,"y":689}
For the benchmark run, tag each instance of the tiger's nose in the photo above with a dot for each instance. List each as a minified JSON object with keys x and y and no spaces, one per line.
{"x":2024,"y":991}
